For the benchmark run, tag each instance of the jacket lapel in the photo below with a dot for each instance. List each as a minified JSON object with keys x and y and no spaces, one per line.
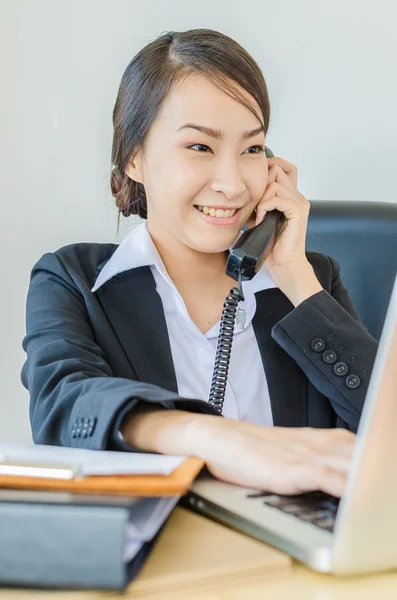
{"x":144,"y":338}
{"x":286,"y":381}
{"x":143,"y":335}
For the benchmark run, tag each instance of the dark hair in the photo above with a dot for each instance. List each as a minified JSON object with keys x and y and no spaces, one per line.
{"x":146,"y":82}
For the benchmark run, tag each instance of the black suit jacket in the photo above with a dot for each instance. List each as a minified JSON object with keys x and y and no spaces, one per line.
{"x":91,"y":357}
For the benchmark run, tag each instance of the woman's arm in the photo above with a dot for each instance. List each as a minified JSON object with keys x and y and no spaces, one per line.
{"x":332,"y":319}
{"x":278,"y":459}
{"x":74,"y":395}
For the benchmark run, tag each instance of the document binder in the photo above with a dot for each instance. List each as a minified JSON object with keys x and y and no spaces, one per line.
{"x":56,"y":540}
{"x":73,"y":533}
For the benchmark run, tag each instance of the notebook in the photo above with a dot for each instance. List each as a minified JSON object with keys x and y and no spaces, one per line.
{"x":54,"y":468}
{"x":63,"y":463}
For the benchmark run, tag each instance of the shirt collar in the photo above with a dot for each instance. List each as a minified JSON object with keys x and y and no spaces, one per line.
{"x":138,"y":250}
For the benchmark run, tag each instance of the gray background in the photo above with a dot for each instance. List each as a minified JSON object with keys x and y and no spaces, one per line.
{"x":330,"y":70}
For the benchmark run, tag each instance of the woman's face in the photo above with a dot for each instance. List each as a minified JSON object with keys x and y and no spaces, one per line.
{"x":182,"y":167}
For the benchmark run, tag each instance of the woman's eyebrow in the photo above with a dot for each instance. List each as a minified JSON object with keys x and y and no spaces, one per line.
{"x":217,"y":133}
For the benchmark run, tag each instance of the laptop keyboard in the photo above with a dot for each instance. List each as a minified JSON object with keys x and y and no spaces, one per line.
{"x":317,"y":508}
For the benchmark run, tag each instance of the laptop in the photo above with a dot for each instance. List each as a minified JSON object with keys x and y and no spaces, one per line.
{"x":357,"y":533}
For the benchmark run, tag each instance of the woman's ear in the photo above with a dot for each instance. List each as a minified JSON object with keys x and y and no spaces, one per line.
{"x":134,"y":168}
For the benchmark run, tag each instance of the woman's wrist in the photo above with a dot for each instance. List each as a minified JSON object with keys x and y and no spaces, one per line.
{"x":299,"y":282}
{"x":166,"y":431}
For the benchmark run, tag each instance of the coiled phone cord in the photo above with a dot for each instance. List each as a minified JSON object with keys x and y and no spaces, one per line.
{"x":224,"y":347}
{"x":245,"y":257}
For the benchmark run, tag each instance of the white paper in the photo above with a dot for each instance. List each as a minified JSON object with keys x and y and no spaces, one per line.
{"x":91,"y":462}
{"x":131,"y":549}
{"x":147,"y":516}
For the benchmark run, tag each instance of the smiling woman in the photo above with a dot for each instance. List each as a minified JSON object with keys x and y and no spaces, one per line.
{"x":123,"y":337}
{"x":195,"y":79}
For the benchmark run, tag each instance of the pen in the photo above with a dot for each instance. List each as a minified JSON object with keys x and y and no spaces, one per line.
{"x":47,"y":470}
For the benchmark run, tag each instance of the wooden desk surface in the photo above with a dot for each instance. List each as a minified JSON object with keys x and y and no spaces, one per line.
{"x":232,"y":567}
{"x":302,"y":584}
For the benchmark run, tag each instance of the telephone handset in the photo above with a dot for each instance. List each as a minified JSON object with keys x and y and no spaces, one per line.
{"x":245,"y":259}
{"x":253,"y":246}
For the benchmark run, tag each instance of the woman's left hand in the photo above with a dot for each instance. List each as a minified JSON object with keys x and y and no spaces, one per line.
{"x":287,"y":262}
{"x":281,"y":194}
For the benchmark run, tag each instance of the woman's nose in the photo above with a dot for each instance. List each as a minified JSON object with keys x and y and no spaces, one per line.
{"x":227,"y":178}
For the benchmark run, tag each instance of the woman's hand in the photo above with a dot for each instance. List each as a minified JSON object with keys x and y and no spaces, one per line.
{"x":282,"y":460}
{"x":287,"y":262}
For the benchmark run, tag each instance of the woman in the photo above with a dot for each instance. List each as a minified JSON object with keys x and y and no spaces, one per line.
{"x":121,"y":339}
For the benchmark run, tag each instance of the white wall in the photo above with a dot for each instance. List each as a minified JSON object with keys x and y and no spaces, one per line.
{"x":330,"y":68}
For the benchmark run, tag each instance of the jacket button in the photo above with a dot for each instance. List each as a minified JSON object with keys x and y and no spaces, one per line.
{"x":318,"y":345}
{"x":91,"y":427}
{"x":340,"y":369}
{"x":329,"y":356}
{"x":353,"y":381}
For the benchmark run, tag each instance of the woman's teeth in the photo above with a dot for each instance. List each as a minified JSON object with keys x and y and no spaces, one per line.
{"x":218,"y":212}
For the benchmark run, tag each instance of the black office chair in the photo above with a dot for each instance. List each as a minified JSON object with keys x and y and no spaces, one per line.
{"x":362,"y":236}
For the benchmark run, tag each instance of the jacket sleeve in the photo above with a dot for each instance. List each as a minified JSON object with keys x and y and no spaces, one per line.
{"x":325,"y":336}
{"x":74,"y":396}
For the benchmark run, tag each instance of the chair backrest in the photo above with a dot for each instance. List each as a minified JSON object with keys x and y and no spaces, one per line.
{"x":362,"y":237}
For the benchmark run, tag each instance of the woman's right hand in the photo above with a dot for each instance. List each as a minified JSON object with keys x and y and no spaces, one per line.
{"x":283,"y":460}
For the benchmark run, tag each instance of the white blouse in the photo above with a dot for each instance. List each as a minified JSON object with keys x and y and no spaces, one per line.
{"x":193,"y":353}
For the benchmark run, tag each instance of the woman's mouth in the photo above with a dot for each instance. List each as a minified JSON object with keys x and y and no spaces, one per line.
{"x":217,"y":216}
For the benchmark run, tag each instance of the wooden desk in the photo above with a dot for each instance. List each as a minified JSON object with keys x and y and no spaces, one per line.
{"x":183,"y":553}
{"x":303,"y":584}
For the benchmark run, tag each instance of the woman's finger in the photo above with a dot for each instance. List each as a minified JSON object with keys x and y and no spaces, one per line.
{"x":288,"y":168}
{"x":290,"y":208}
{"x":277,"y":188}
{"x":339,"y":463}
{"x":278,"y":175}
{"x":333,"y":482}
{"x":325,"y":479}
{"x":299,"y":479}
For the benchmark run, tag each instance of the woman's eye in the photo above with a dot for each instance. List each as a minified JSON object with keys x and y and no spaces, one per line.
{"x":259,"y":148}
{"x":202,"y":146}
